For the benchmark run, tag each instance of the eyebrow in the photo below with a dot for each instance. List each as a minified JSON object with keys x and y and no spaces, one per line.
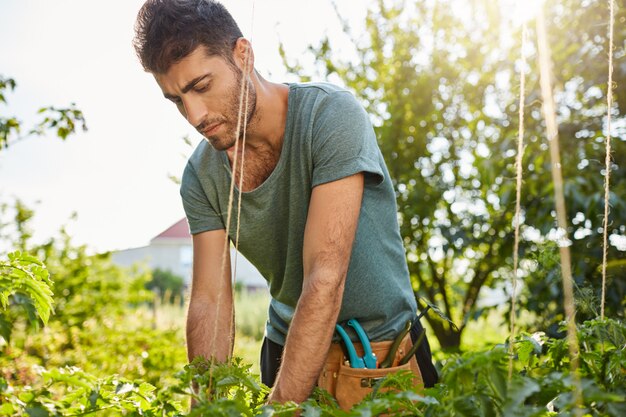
{"x":191,"y":84}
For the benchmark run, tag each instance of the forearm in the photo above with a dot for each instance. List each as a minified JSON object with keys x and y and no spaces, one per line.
{"x":309,"y":338}
{"x":329,"y":233}
{"x":210,"y":331}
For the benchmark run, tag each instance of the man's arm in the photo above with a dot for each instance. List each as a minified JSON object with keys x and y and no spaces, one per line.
{"x":331,"y":225}
{"x":210,"y":315}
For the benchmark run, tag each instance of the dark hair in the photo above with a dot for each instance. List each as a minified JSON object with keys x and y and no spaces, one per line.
{"x":166,"y":31}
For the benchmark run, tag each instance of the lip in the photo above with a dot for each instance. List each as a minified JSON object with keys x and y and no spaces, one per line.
{"x":211,"y":130}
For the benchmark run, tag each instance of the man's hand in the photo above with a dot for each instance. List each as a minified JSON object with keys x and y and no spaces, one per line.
{"x":330,"y":229}
{"x":210,"y":315}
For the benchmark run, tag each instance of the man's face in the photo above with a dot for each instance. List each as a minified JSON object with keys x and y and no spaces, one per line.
{"x":206,"y":91}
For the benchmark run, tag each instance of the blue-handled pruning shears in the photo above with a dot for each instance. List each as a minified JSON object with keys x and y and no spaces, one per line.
{"x":369,"y":358}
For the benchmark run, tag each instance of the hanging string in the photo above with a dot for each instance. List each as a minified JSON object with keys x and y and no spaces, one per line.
{"x":518,"y":185}
{"x":241,"y":120}
{"x":557,"y":178}
{"x":243,"y":157}
{"x":609,"y":106}
{"x":243,"y":150}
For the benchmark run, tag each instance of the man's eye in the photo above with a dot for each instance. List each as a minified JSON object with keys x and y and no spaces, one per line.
{"x":203,"y":88}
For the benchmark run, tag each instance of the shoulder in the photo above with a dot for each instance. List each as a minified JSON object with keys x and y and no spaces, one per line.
{"x":204,"y":158}
{"x":321,"y":92}
{"x":201,"y":164}
{"x":319,"y":88}
{"x":325,"y":103}
{"x":202,"y":154}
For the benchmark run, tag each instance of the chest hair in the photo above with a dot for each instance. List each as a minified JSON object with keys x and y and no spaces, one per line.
{"x":258,"y":166}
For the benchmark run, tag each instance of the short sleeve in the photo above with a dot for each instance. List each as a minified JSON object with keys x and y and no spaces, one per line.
{"x":200,"y":213}
{"x":344,"y":142}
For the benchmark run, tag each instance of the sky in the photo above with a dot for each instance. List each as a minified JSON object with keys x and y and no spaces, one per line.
{"x":115,"y":176}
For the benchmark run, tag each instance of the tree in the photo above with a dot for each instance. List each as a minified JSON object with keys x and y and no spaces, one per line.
{"x":169,"y":285}
{"x":439,"y":80}
{"x":24,"y":280}
{"x":63,"y":120}
{"x":86,"y":286}
{"x":578,"y":35}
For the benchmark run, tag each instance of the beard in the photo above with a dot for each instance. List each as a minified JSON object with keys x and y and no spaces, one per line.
{"x":229,"y":136}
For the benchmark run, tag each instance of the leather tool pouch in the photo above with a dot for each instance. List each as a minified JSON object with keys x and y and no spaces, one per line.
{"x":350,"y":385}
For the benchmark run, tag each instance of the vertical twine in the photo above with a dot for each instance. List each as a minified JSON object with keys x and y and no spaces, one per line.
{"x":240,"y":116}
{"x":518,"y":196}
{"x":545,"y":66}
{"x":243,"y":150}
{"x":609,"y":106}
{"x":241,"y":171}
{"x":243,"y":157}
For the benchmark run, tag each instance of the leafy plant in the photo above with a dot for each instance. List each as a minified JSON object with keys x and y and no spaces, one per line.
{"x":473,"y":384}
{"x":83,"y":394}
{"x":24,"y":283}
{"x":63,"y":120}
{"x":87,"y":286}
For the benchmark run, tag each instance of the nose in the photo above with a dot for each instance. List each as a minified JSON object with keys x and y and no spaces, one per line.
{"x":195,"y":112}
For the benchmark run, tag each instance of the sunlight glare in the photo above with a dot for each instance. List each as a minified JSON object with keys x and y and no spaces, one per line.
{"x":526,"y":10}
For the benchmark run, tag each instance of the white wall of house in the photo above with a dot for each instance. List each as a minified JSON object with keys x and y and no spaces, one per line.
{"x":175,"y":255}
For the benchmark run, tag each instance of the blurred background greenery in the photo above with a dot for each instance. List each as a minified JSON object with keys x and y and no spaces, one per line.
{"x":440,"y":81}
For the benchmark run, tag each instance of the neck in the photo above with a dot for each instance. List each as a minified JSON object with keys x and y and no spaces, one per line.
{"x":264,"y":134}
{"x":267,"y":127}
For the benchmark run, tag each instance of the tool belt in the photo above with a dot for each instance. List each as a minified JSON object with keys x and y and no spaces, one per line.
{"x":350,"y":385}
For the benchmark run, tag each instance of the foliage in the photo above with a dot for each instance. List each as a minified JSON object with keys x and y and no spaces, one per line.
{"x":167,"y":283}
{"x":92,"y":298}
{"x":63,"y":120}
{"x":85,"y":394}
{"x":99,"y":356}
{"x":578,"y":34}
{"x":87,"y":286}
{"x":440,"y":81}
{"x":91,"y":286}
{"x":99,"y":362}
{"x":223,"y":389}
{"x":24,"y":282}
{"x":21,"y":234}
{"x":474,"y":384}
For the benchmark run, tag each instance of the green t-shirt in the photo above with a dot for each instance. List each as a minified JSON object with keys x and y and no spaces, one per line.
{"x":328,"y":136}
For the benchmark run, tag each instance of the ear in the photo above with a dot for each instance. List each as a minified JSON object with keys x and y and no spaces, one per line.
{"x":243,"y":50}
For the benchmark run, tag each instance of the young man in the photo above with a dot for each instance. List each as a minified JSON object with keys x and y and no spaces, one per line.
{"x":318,"y":214}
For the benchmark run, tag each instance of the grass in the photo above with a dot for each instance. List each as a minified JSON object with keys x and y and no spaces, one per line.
{"x":487,"y":330}
{"x":250,"y":318}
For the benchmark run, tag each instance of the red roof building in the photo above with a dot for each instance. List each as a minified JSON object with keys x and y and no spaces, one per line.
{"x":172,"y":250}
{"x":179,"y":230}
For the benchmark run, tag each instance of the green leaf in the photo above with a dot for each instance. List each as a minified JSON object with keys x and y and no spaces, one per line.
{"x":498,"y":380}
{"x":145,"y":388}
{"x":439,"y":313}
{"x":519,"y":390}
{"x":25,"y":279}
{"x":37,"y":412}
{"x":524,"y":350}
{"x":7,"y":410}
{"x":6,"y":328}
{"x":466,"y":407}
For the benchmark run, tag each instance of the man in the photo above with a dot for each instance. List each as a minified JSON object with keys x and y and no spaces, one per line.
{"x":318,"y":215}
